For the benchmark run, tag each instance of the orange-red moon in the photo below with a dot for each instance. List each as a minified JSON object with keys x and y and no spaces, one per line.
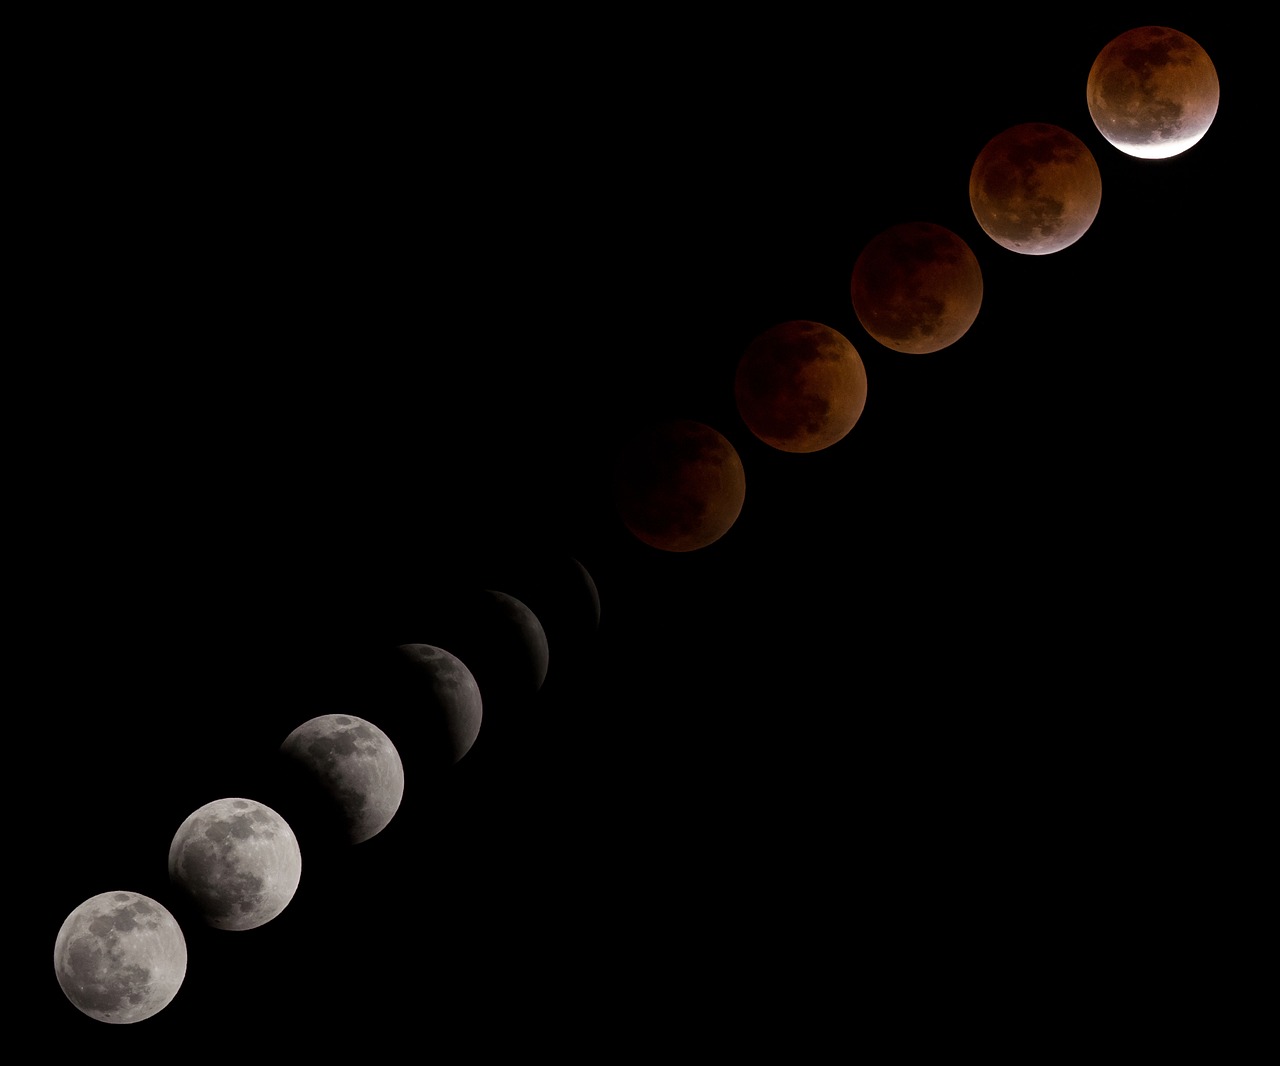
{"x":800,"y":386}
{"x":1153,"y":92}
{"x":679,"y":486}
{"x":1035,"y":188}
{"x":916,"y":287}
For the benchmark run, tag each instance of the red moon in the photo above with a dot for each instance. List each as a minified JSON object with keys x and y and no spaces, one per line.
{"x":679,"y":486}
{"x":1035,"y":188}
{"x":800,"y":386}
{"x":1153,"y":92}
{"x":916,"y":287}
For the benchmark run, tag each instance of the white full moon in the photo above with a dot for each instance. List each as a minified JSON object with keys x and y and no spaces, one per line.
{"x":120,"y":957}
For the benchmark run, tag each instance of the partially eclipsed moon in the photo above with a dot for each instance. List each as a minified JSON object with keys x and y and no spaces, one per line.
{"x":916,"y":287}
{"x":1153,"y":92}
{"x":800,"y":386}
{"x":120,"y":957}
{"x":1035,"y":188}
{"x":503,"y":644}
{"x":354,"y":768}
{"x":587,"y":585}
{"x":237,"y":861}
{"x":442,"y":706}
{"x":679,"y":486}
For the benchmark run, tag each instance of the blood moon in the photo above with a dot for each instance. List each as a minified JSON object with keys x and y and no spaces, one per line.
{"x":1035,"y":188}
{"x":1153,"y":92}
{"x":916,"y":287}
{"x":800,"y":386}
{"x":679,"y":485}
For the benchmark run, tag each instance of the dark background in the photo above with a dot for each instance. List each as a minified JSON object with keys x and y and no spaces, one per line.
{"x":331,"y":322}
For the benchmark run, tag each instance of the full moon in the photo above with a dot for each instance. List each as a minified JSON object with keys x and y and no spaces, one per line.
{"x":356,"y":769}
{"x":1153,"y":92}
{"x":1035,"y":188}
{"x":800,"y":386}
{"x":120,"y":957}
{"x":237,"y":861}
{"x":679,"y":486}
{"x":916,"y":287}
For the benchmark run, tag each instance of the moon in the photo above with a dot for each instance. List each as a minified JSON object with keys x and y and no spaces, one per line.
{"x":356,"y":771}
{"x":441,"y":703}
{"x":120,"y":957}
{"x":1153,"y":92}
{"x":679,"y":485}
{"x":502,"y":642}
{"x":1035,"y":188}
{"x":562,"y":595}
{"x":916,"y":287}
{"x":589,"y":592}
{"x":800,"y":386}
{"x":236,"y":861}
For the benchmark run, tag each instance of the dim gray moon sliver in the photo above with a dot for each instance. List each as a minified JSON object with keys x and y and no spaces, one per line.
{"x":354,"y":766}
{"x":445,"y":696}
{"x":503,"y":644}
{"x":237,"y":862}
{"x":120,"y":957}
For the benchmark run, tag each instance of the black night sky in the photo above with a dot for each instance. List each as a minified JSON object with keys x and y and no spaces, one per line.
{"x":336,"y":323}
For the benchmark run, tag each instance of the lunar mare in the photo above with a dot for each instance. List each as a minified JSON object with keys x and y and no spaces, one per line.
{"x":1035,"y":188}
{"x":800,"y":386}
{"x":1153,"y":92}
{"x":679,"y":486}
{"x":120,"y":957}
{"x":354,"y":768}
{"x":916,"y":287}
{"x":237,"y":862}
